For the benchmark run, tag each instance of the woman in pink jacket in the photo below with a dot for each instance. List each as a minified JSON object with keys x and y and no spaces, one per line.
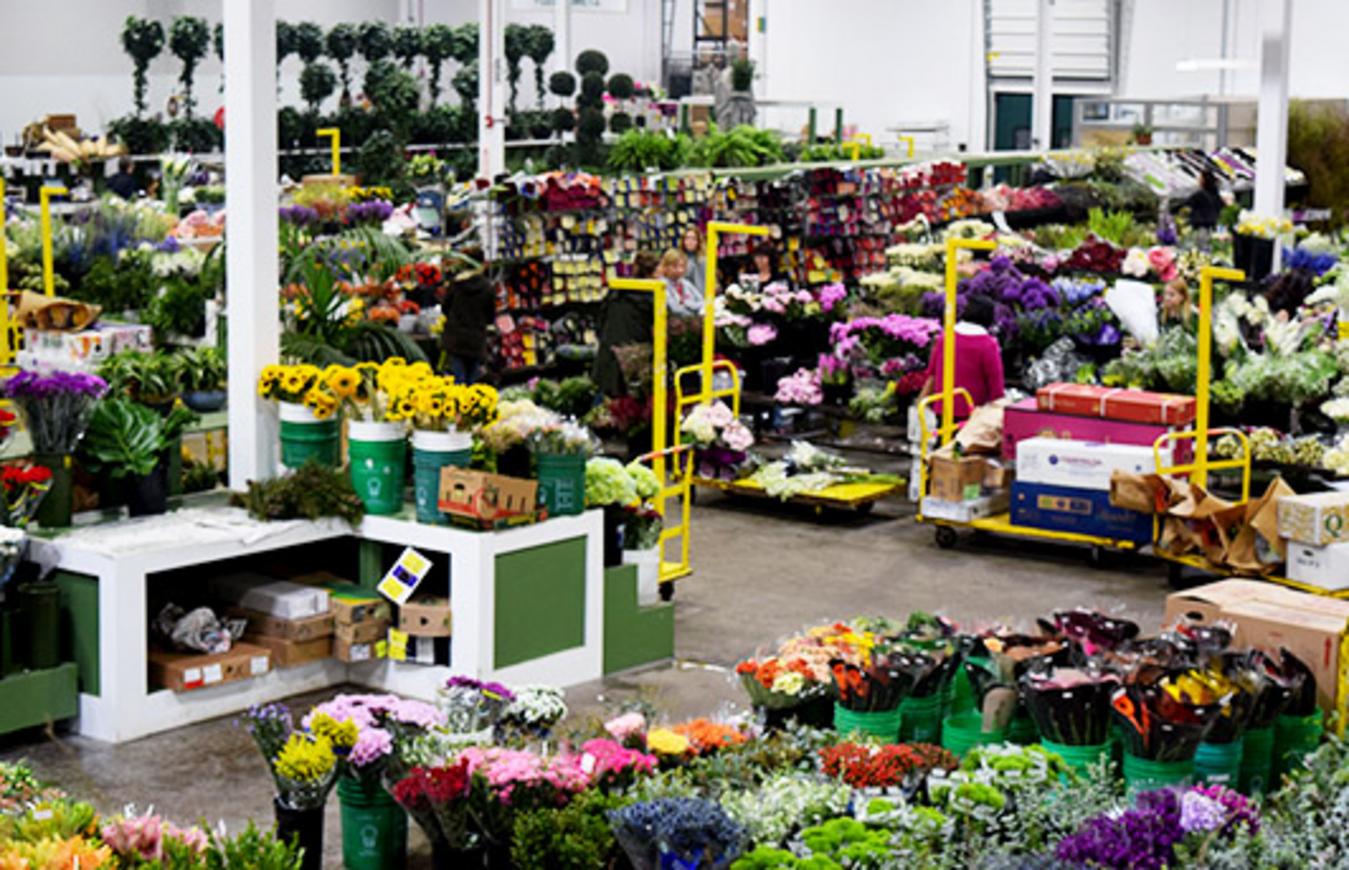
{"x":978,"y":359}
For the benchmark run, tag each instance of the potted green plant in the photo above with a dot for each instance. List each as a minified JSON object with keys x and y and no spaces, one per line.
{"x":189,"y":40}
{"x":128,"y":440}
{"x":143,"y":39}
{"x":1142,"y":134}
{"x":151,"y":378}
{"x":203,"y":378}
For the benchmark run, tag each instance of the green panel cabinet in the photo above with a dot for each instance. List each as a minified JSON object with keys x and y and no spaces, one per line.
{"x":633,"y":635}
{"x":38,"y":697}
{"x":539,"y":602}
{"x":79,"y":624}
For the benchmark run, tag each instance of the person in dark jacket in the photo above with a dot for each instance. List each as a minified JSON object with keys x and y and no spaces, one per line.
{"x":469,"y":307}
{"x":626,"y":319}
{"x":124,"y":183}
{"x":1206,"y":203}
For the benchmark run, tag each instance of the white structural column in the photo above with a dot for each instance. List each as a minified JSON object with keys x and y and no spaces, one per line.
{"x":491,"y":87}
{"x":562,"y":35}
{"x":1271,"y":133}
{"x":251,"y":262}
{"x":1042,"y":101}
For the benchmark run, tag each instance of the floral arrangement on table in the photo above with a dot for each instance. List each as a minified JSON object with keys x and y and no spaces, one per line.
{"x":383,"y":392}
{"x":722,"y":441}
{"x":24,"y":488}
{"x":1260,"y":226}
{"x":439,"y":404}
{"x":562,"y":437}
{"x":366,"y":730}
{"x":472,"y":706}
{"x":304,"y":766}
{"x":56,"y":407}
{"x":777,"y":683}
{"x":516,"y":422}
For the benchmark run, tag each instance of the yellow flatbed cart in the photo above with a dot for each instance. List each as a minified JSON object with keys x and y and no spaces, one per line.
{"x":858,"y":496}
{"x":946,"y":530}
{"x":1199,"y":469}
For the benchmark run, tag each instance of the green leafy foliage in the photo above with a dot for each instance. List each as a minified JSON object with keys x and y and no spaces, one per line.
{"x":438,"y":47}
{"x":203,"y":369}
{"x":539,"y":45}
{"x":311,"y":492}
{"x":124,"y":438}
{"x":407,"y":44}
{"x":1318,"y":144}
{"x":253,"y":849}
{"x":151,"y":378}
{"x":640,"y":150}
{"x":380,"y":161}
{"x":620,"y":122}
{"x":317,"y":83}
{"x":742,"y":75}
{"x":189,"y":40}
{"x":285,"y":40}
{"x":143,"y":40}
{"x":576,"y":837}
{"x":1112,"y":226}
{"x":140,"y":135}
{"x":592,"y":61}
{"x":341,"y":45}
{"x":743,"y":146}
{"x":308,"y":41}
{"x":179,"y":309}
{"x":466,"y":43}
{"x":375,"y":40}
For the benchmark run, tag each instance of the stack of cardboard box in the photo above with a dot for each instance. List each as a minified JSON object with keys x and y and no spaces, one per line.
{"x":1317,"y":529}
{"x":423,"y":634}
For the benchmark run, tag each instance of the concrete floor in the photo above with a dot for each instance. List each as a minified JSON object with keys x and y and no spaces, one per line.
{"x":761,"y":571}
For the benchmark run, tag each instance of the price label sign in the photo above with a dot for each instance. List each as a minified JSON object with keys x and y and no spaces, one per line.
{"x":403,"y":578}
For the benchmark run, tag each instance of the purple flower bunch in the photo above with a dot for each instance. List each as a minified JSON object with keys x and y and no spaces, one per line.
{"x":375,"y":211}
{"x":1143,"y":838}
{"x":379,"y":719}
{"x":56,"y":407}
{"x":298,"y":215}
{"x":889,"y":344}
{"x":473,"y":705}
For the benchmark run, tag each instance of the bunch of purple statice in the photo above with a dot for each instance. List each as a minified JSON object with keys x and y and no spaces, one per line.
{"x":56,"y":407}
{"x":376,"y":211}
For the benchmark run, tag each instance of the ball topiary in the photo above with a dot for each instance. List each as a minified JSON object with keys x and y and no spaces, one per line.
{"x":592,"y":61}
{"x":590,"y":123}
{"x":620,"y":86}
{"x":620,"y":122}
{"x":563,"y":120}
{"x":562,"y":83}
{"x":592,"y":85}
{"x":585,"y":102}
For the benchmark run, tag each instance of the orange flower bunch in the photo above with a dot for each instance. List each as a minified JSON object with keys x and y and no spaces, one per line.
{"x":766,"y":671}
{"x":706,"y":736}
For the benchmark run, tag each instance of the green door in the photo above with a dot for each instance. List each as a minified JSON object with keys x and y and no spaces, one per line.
{"x":1012,"y":121}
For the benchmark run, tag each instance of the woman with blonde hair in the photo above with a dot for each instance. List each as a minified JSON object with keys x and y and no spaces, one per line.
{"x":681,"y":297}
{"x":691,"y":245}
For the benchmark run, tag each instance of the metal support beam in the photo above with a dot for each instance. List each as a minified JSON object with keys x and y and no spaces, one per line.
{"x":562,"y":34}
{"x":251,"y":260}
{"x":1271,"y":132}
{"x":1042,"y":103}
{"x":491,"y":87}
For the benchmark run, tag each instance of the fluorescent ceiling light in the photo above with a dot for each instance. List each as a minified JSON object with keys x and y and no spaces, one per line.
{"x":1206,"y":64}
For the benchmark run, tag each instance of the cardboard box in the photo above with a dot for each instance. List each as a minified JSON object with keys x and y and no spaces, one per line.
{"x":1084,"y":511}
{"x":350,"y":604}
{"x":1266,"y":615}
{"x":403,"y":647}
{"x":1079,"y":464}
{"x":273,"y":597}
{"x":425,"y":616}
{"x":1326,"y":567}
{"x":85,"y":350}
{"x":965,"y":511}
{"x":1137,"y":406}
{"x":956,"y":479}
{"x":482,"y":496}
{"x":1320,"y":518}
{"x":368,"y":631}
{"x":1024,"y":420}
{"x":185,"y":672}
{"x":997,"y":475}
{"x":289,"y":653}
{"x":299,"y":630}
{"x":346,"y":651}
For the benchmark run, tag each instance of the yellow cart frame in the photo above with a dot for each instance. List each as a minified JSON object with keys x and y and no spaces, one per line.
{"x":945,"y":531}
{"x":1199,"y":469}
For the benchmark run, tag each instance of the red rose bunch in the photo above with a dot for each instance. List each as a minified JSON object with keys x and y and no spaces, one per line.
{"x":426,"y":788}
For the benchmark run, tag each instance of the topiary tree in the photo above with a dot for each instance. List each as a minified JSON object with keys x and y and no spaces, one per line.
{"x":437,"y":47}
{"x":592,"y":61}
{"x":742,"y":75}
{"x":341,"y":44}
{"x":539,"y":46}
{"x":375,"y":41}
{"x":219,"y":40}
{"x":317,"y":83}
{"x":621,"y":87}
{"x":620,"y":122}
{"x":285,"y":42}
{"x":592,"y":92}
{"x":379,"y":161}
{"x":394,"y":94}
{"x":308,"y":41}
{"x":189,"y":40}
{"x":562,"y":83}
{"x":407,"y":44}
{"x":466,"y":43}
{"x":143,"y":40}
{"x":517,"y":44}
{"x":564,"y":121}
{"x":465,"y":83}
{"x":590,"y":124}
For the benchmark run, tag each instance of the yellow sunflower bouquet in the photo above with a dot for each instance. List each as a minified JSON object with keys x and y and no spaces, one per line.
{"x":302,"y":384}
{"x":380,"y":392}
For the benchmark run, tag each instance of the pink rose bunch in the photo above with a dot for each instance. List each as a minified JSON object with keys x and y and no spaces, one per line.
{"x":626,"y":726}
{"x":1163,"y":262}
{"x":509,"y":772}
{"x":800,"y":388}
{"x":143,"y":837}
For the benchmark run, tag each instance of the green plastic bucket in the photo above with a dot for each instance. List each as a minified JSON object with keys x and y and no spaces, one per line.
{"x":431,"y":452}
{"x":961,"y":732}
{"x":374,"y":827}
{"x":1257,"y":761}
{"x":920,"y":720}
{"x":1141,"y":774}
{"x":1218,"y":763}
{"x":883,"y":723}
{"x":562,"y":483}
{"x":1079,"y":758}
{"x":54,"y":512}
{"x":1295,"y":737}
{"x":40,"y":622}
{"x":304,"y":437}
{"x":1022,"y":729}
{"x":378,"y":454}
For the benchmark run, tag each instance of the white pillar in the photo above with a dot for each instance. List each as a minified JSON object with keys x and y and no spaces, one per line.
{"x":1042,"y":102}
{"x":491,"y":88}
{"x":252,"y":285}
{"x":562,"y":35}
{"x":1271,"y":133}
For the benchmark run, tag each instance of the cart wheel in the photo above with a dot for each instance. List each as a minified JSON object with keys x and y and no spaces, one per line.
{"x":945,"y":537}
{"x":1096,"y":556}
{"x":1175,"y":575}
{"x":667,"y":591}
{"x":865,"y":508}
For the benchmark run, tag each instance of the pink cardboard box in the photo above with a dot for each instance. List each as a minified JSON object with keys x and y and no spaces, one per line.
{"x":1025,"y":420}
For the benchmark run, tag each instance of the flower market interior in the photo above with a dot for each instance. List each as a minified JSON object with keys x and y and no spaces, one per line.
{"x":672,"y":434}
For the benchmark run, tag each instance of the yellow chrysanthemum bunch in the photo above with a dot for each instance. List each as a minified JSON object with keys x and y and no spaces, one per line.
{"x":305,"y":758}
{"x":342,"y":735}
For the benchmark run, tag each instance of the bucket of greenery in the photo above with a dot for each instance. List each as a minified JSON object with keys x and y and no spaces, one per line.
{"x":203,"y":373}
{"x":129,"y":440}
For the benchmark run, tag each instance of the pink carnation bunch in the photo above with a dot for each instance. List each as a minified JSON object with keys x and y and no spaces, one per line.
{"x":626,"y":726}
{"x":800,"y":388}
{"x":608,"y":761}
{"x":508,"y":771}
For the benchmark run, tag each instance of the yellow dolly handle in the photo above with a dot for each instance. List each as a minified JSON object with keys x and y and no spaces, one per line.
{"x":926,"y":433}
